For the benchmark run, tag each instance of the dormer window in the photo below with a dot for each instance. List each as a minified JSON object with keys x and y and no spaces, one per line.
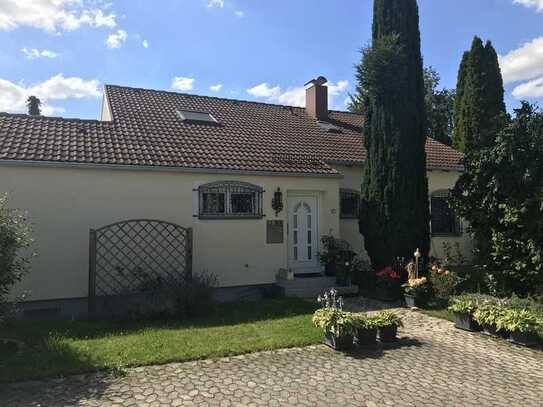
{"x":191,"y":116}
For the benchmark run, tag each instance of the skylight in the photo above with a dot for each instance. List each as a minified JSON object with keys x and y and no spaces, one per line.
{"x":199,"y":117}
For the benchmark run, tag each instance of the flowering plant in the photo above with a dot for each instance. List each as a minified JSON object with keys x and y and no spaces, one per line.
{"x":416,"y":287}
{"x":388,"y":280}
{"x":331,"y":318}
{"x":388,"y":273}
{"x":444,"y":283}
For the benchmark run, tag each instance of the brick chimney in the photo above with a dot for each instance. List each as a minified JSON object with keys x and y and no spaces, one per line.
{"x":316,"y":98}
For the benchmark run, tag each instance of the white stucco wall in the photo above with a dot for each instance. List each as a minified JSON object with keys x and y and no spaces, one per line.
{"x":437,"y":180}
{"x":65,"y":203}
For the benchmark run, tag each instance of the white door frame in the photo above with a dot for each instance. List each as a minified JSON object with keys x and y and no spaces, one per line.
{"x":305,"y":266}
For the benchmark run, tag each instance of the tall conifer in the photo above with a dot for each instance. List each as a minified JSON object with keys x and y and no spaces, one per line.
{"x":395,"y":215}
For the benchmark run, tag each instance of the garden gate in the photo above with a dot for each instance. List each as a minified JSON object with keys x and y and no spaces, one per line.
{"x":132,"y":257}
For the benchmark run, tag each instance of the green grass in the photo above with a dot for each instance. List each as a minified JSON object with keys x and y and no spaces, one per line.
{"x":442,"y":313}
{"x":63,"y":348}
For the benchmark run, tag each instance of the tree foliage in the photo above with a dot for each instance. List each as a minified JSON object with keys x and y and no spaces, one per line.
{"x":395,"y":216}
{"x":479,"y":106}
{"x":502,"y":192}
{"x":439,"y":107}
{"x":439,"y":104}
{"x":15,"y":239}
{"x":33,"y":104}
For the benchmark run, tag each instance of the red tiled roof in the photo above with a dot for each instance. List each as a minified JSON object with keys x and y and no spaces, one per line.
{"x":249,"y":136}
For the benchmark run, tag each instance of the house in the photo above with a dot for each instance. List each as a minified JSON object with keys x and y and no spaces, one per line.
{"x":257,"y":184}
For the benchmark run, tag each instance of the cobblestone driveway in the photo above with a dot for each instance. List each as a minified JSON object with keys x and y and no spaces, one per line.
{"x":433,"y":365}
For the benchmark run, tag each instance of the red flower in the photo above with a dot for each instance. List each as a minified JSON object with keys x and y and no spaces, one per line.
{"x":388,"y":272}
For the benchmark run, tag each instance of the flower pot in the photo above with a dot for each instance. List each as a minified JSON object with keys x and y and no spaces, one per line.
{"x":524,"y":338}
{"x":466,"y":322}
{"x":414,"y":302}
{"x":491,"y":329}
{"x":330,"y":269}
{"x":344,"y":342}
{"x":365,"y":337}
{"x":388,"y":333}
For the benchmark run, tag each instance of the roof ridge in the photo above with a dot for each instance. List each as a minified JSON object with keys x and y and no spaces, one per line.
{"x":219,"y":98}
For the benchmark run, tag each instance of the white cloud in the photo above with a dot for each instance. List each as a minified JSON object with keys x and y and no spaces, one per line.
{"x":523,"y":63}
{"x":538,"y":4}
{"x":13,"y":96}
{"x":295,"y":96}
{"x":239,"y":13}
{"x":54,"y":15}
{"x":183,"y":83}
{"x":216,"y":88}
{"x":215,"y":3}
{"x":145,"y":44}
{"x":33,"y":53}
{"x":531,"y":89}
{"x":264,"y":91}
{"x":117,"y":39}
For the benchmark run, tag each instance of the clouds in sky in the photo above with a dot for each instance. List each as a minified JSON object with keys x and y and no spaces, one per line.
{"x":295,"y":96}
{"x":54,"y":15}
{"x":524,"y":64}
{"x":183,"y":83}
{"x":216,"y":88}
{"x":33,"y":53}
{"x":116,"y":40}
{"x":537,"y":4}
{"x":58,"y":87}
{"x":145,"y":44}
{"x":215,"y":3}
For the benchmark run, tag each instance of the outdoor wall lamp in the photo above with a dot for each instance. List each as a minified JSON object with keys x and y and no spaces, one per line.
{"x":277,"y":201}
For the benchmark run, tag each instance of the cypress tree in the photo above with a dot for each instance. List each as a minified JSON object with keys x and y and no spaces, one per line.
{"x":33,"y":104}
{"x":395,"y":215}
{"x":479,"y":105}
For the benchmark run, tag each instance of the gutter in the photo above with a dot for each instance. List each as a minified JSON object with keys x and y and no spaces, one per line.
{"x":157,"y":168}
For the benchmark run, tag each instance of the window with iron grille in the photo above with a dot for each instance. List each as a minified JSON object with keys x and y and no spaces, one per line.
{"x":349,"y":203}
{"x":230,"y":200}
{"x":443,"y":218}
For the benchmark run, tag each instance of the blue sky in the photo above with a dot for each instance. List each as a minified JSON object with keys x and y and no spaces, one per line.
{"x":65,"y":50}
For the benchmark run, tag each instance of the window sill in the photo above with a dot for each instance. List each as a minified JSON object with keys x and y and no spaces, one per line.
{"x":229,"y":217}
{"x":457,"y":235}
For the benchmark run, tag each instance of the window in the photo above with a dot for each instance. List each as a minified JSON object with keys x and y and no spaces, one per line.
{"x":349,"y":204}
{"x":444,"y":220}
{"x":198,"y":117}
{"x":230,"y":200}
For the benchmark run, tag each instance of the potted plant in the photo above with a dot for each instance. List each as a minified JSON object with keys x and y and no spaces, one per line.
{"x":387,"y":324}
{"x":416,"y":292}
{"x":463,"y":307}
{"x":444,"y":283}
{"x":488,"y":315}
{"x":338,"y":325}
{"x":388,"y":284}
{"x":330,"y":255}
{"x":366,"y":330}
{"x":522,"y":326}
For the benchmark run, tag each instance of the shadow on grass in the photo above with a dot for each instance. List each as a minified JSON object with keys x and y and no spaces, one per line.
{"x":223,"y":315}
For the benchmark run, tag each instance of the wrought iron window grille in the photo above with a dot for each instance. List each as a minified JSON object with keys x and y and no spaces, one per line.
{"x":349,"y":204}
{"x":230,"y":200}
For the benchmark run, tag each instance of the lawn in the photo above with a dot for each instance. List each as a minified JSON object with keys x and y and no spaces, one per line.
{"x":62,"y":348}
{"x":442,"y":313}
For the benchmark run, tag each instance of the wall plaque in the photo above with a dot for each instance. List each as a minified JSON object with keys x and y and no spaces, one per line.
{"x":274,"y":231}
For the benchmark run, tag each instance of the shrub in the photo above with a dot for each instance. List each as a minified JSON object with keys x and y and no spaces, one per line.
{"x":15,"y":240}
{"x":335,"y":321}
{"x":444,"y":283}
{"x":364,"y":321}
{"x":385,"y":318}
{"x":519,"y":320}
{"x":489,"y":313}
{"x":468,"y":303}
{"x":194,"y":296}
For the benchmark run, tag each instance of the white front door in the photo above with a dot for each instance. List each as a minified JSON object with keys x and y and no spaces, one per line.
{"x":303,"y":236}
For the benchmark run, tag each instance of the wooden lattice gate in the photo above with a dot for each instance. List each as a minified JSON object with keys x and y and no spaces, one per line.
{"x":135,"y":257}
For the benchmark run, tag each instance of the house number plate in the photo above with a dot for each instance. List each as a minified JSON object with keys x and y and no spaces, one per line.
{"x":274,"y":231}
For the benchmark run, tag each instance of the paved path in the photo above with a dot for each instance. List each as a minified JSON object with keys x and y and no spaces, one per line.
{"x":432,"y":365}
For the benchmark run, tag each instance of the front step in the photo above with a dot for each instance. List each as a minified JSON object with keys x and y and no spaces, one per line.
{"x":312,"y":287}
